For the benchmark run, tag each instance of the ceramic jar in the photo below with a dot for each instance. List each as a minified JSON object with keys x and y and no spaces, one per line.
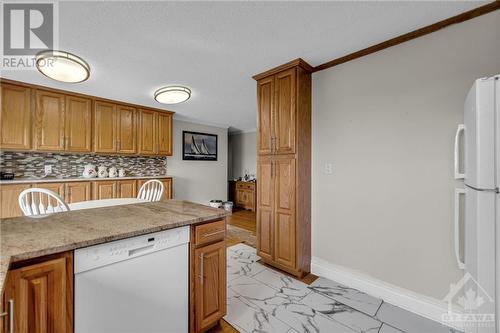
{"x":113,"y":172}
{"x":121,"y":172}
{"x":102,"y":172}
{"x":89,"y":171}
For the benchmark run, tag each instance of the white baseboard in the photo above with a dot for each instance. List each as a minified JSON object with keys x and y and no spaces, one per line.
{"x":424,"y":306}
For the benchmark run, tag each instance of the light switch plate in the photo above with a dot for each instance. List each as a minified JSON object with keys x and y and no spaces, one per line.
{"x":48,"y":169}
{"x":328,"y":168}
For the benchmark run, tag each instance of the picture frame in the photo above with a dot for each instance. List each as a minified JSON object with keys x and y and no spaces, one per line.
{"x":197,"y":146}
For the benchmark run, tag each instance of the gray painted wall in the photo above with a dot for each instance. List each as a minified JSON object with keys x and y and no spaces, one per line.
{"x":243,"y":154}
{"x":386,"y":123}
{"x":198,"y":181}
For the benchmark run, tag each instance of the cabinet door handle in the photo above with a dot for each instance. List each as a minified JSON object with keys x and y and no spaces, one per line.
{"x":201,"y":267}
{"x":214,"y":233}
{"x":119,"y":143}
{"x":272,"y":168}
{"x":61,"y":141}
{"x":10,"y":313}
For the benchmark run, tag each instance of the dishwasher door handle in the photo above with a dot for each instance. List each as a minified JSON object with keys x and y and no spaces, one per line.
{"x":139,"y":250}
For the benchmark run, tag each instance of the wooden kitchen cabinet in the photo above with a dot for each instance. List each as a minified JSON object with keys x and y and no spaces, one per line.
{"x":42,"y":294}
{"x":77,"y":192}
{"x":277,"y":113}
{"x":45,"y":119}
{"x":167,"y":183}
{"x":126,"y":188}
{"x":147,"y":132}
{"x":265,"y":100}
{"x":284,"y":167}
{"x":50,"y":121}
{"x":105,"y":127}
{"x":15,"y":125}
{"x":155,"y":133}
{"x":208,"y":275}
{"x":9,"y":204}
{"x":78,"y":131}
{"x":104,"y":189}
{"x":126,"y":129}
{"x":265,"y":207}
{"x":245,"y":195}
{"x":164,"y":134}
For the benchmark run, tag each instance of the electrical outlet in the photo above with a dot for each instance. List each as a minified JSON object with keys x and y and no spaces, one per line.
{"x":328,"y":168}
{"x":48,"y":169}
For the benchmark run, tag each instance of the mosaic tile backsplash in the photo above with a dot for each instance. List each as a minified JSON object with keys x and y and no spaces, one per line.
{"x":27,"y":164}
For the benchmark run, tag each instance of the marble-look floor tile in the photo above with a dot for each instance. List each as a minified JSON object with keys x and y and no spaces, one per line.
{"x":258,"y":293}
{"x":247,"y":317}
{"x":341,"y":313}
{"x":389,"y":329}
{"x":348,"y":296}
{"x":242,"y":261}
{"x":304,"y":319}
{"x":289,"y":287}
{"x":409,"y":321}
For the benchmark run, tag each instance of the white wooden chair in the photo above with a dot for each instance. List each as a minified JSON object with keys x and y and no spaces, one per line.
{"x":38,"y":202}
{"x":152,"y":190}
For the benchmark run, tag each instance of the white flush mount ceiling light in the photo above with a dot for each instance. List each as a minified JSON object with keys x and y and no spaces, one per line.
{"x":62,"y":66}
{"x":172,"y":94}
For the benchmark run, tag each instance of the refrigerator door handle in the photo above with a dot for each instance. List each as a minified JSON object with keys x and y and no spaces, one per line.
{"x":456,"y":232}
{"x":458,"y":174}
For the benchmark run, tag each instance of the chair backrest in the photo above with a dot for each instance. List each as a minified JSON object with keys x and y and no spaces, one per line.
{"x":37,"y":202}
{"x":152,"y":190}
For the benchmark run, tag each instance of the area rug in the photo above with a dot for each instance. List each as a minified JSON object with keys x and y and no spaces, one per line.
{"x":241,"y":235}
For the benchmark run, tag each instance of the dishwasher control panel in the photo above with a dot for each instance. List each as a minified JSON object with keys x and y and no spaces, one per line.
{"x":108,"y":253}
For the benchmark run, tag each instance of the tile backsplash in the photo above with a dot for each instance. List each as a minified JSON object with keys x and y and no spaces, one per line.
{"x":26,"y":164}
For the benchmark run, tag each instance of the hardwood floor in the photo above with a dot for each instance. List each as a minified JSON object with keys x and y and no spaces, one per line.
{"x":245,"y":220}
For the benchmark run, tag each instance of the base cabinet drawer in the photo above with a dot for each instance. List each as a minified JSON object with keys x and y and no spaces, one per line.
{"x":42,"y":295}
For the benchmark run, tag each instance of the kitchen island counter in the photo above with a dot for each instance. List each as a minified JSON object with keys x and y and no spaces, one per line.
{"x":23,"y":238}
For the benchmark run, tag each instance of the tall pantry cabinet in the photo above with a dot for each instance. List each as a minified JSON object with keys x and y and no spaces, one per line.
{"x":284,"y":167}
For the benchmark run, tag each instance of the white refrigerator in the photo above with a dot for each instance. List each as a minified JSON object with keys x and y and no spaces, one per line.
{"x":477,"y":163}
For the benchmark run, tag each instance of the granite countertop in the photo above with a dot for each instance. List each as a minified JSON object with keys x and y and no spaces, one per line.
{"x":24,"y":238}
{"x":29,"y":180}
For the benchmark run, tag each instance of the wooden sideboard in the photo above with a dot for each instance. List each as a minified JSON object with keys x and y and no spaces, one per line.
{"x":76,"y":191}
{"x":37,"y":118}
{"x":244,"y":195}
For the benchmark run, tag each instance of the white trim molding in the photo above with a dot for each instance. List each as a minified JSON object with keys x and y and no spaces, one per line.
{"x":422,"y":305}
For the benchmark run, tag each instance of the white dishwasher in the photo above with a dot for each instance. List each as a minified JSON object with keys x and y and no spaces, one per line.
{"x":137,"y":285}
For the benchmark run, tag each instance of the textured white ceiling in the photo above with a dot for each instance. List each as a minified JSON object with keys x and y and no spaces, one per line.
{"x":134,"y":48}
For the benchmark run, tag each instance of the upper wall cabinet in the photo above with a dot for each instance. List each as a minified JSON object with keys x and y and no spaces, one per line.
{"x":126,"y":128}
{"x":44,"y":119}
{"x":164,"y":133}
{"x":265,"y":135}
{"x":115,"y":128}
{"x":155,"y":133}
{"x":49,"y":121}
{"x":276,"y":118}
{"x":62,"y":122}
{"x":105,"y":127}
{"x":15,"y":127}
{"x":78,"y":124}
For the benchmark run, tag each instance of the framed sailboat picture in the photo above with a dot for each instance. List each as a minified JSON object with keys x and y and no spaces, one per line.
{"x":199,"y":146}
